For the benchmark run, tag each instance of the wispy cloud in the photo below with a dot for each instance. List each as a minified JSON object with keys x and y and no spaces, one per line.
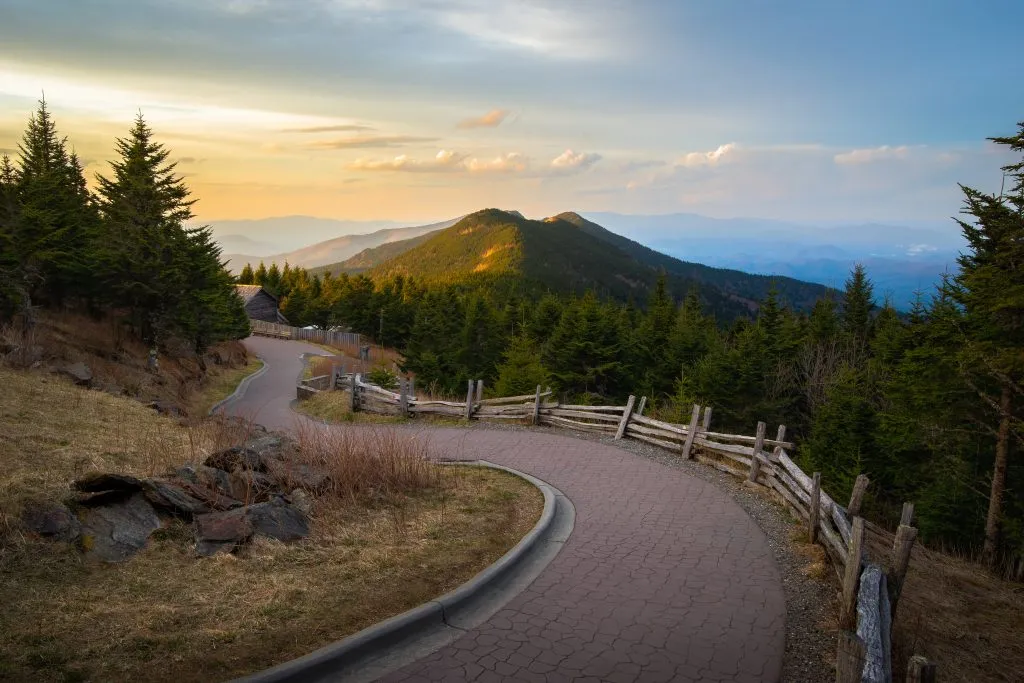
{"x":867,"y":156}
{"x":444,"y":161}
{"x":338,"y":128}
{"x":369,"y":142}
{"x":491,"y":119}
{"x":513,"y":162}
{"x":694,"y":159}
{"x":574,"y":162}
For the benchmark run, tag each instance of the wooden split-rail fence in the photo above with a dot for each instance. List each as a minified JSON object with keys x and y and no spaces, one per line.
{"x":341,"y":339}
{"x":870,"y":586}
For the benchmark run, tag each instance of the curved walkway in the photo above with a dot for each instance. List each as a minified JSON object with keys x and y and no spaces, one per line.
{"x":665,"y":577}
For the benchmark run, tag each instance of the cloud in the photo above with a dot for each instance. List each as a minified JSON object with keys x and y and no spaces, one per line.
{"x":712,"y":158}
{"x":574,"y":162}
{"x":340,"y":128}
{"x":871,"y":155}
{"x":513,"y":162}
{"x":444,"y":161}
{"x":491,"y":119}
{"x":369,"y":142}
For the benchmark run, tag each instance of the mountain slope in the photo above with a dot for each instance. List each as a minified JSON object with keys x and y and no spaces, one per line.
{"x":566,"y":253}
{"x":338,"y":248}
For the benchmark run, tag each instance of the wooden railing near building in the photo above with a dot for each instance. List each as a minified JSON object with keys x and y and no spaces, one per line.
{"x":870,"y":586}
{"x":340,"y":339}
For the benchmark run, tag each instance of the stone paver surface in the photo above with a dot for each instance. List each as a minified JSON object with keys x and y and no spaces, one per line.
{"x":664,"y":578}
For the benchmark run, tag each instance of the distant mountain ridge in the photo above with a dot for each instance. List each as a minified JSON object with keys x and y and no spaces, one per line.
{"x":564,"y":253}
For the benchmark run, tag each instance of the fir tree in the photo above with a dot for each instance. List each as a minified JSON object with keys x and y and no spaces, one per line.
{"x":246,"y":277}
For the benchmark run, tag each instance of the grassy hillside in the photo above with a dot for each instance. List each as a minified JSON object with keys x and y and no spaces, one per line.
{"x":564,"y":253}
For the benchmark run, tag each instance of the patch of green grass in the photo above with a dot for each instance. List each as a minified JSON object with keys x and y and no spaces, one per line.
{"x":221,"y":385}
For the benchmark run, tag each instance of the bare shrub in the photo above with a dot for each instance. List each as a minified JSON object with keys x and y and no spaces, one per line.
{"x":371,"y":462}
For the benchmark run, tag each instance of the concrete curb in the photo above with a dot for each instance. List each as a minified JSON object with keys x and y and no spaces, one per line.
{"x":240,"y":389}
{"x":357,"y":655}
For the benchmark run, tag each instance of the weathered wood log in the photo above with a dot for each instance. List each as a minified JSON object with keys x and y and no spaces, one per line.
{"x":509,"y":416}
{"x":849,"y":658}
{"x":920,"y":670}
{"x":860,"y":486}
{"x":815,"y":509}
{"x":469,"y":401}
{"x":691,"y":432}
{"x":651,"y":422}
{"x":536,"y":406}
{"x":740,"y":438}
{"x":479,"y":391}
{"x":661,"y":443}
{"x":789,"y":497}
{"x":874,"y":624}
{"x":851,"y":576}
{"x":755,"y":462}
{"x":634,"y":428}
{"x":450,"y":404}
{"x":907,"y":516}
{"x":834,"y":544}
{"x":743,"y":451}
{"x":626,"y":414}
{"x":842,"y":523}
{"x":643,"y":404}
{"x":600,"y":409}
{"x":706,"y":424}
{"x":780,"y":437}
{"x":719,"y":465}
{"x":572,"y":424}
{"x":602,"y":417}
{"x":511,"y":399}
{"x":725,"y":451}
{"x":900,"y":562}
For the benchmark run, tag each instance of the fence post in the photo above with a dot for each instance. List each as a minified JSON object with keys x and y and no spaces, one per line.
{"x":479,"y":390}
{"x":850,"y":658}
{"x":536,"y":407}
{"x":920,"y":670}
{"x":643,"y":404}
{"x":780,"y":435}
{"x":355,"y":392}
{"x":851,"y":576}
{"x":626,"y":414}
{"x":814,"y":511}
{"x":706,"y":425}
{"x":334,"y":377}
{"x":857,"y":497}
{"x":403,"y":397}
{"x":901,"y":548}
{"x":469,"y":401}
{"x":691,"y":432}
{"x":755,"y":460}
{"x":907,"y":515}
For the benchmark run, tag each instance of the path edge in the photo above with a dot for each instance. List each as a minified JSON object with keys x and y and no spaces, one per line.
{"x":240,"y":389}
{"x":362,"y":647}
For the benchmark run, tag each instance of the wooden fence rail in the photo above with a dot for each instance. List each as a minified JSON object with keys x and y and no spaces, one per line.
{"x":870,"y":593}
{"x":321,"y":336}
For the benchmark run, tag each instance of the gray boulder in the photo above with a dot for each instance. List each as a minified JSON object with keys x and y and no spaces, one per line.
{"x":222,"y":532}
{"x":277,"y":519}
{"x":79,"y":373}
{"x":291,"y":474}
{"x":173,"y":497}
{"x":51,"y":520}
{"x":116,"y":531}
{"x":95,"y":482}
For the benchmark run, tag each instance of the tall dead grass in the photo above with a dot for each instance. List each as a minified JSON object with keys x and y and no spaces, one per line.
{"x":370,"y":463}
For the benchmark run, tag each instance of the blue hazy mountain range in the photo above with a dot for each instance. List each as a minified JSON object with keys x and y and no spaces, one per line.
{"x":901,"y":259}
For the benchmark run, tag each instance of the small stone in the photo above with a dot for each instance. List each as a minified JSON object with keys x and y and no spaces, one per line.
{"x":100,"y":481}
{"x":79,"y":373}
{"x":51,"y":520}
{"x":113,"y":533}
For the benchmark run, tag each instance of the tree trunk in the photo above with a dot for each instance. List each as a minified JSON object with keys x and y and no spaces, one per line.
{"x":995,"y":501}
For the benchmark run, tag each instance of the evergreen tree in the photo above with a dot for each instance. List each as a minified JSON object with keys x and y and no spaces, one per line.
{"x":144,"y":206}
{"x":260,"y":276}
{"x":990,"y":291}
{"x":247,"y":277}
{"x":858,"y":304}
{"x":521,"y":372}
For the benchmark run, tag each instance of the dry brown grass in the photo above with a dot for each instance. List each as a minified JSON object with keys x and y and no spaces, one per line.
{"x":219,"y":384}
{"x":403,"y":532}
{"x":955,"y":613}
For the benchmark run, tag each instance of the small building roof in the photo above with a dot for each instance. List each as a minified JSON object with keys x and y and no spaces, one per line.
{"x":247,"y":292}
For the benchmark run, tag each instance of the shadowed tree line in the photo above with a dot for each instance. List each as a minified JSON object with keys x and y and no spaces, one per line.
{"x":124,"y":248}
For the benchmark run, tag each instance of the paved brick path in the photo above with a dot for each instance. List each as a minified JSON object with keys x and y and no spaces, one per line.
{"x":664,"y":578}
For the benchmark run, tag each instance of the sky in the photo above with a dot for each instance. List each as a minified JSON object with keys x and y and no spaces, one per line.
{"x":803,"y":110}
